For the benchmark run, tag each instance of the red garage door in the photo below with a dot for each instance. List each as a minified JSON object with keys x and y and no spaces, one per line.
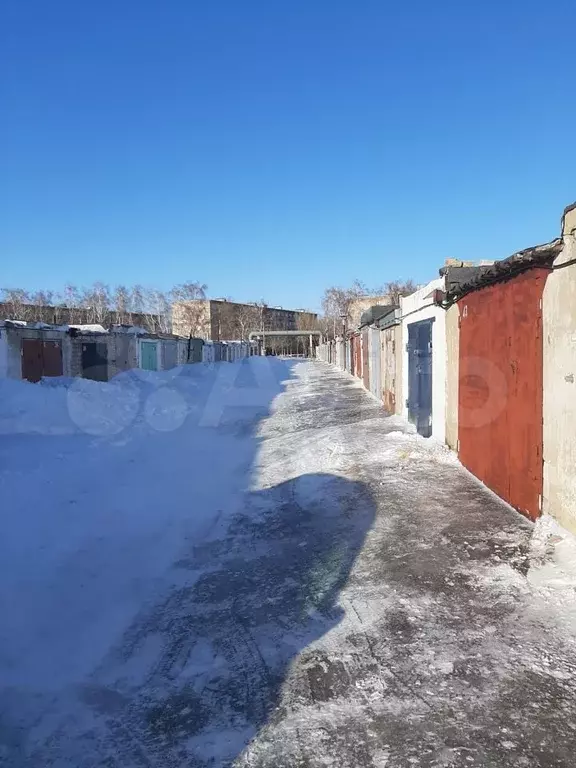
{"x":500,"y":392}
{"x":41,"y":358}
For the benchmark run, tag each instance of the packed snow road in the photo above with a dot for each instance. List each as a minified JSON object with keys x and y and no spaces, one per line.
{"x":251,"y":565}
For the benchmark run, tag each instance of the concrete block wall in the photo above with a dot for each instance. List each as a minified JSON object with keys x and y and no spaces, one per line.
{"x":76,"y":357}
{"x":122,"y":353}
{"x":11,"y":348}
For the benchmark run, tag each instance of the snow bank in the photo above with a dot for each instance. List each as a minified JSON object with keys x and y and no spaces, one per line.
{"x":29,"y":408}
{"x":102,"y":485}
{"x":552,"y":556}
{"x":161,"y":400}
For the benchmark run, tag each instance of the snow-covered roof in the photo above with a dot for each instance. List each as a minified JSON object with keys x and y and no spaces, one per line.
{"x":8,"y":323}
{"x":88,"y":328}
{"x":134,"y":329}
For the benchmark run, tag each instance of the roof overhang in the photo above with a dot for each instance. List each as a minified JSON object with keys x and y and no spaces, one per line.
{"x":480,"y":277}
{"x":376,"y":314}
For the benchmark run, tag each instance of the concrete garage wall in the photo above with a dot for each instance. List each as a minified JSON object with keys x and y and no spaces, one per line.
{"x":122,"y":353}
{"x":11,"y":348}
{"x":400,"y":391}
{"x":414,"y":308}
{"x":559,"y":332}
{"x":452,"y":373}
{"x":3,"y":354}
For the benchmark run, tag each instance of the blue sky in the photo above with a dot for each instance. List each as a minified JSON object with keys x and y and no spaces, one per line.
{"x":273,"y":148}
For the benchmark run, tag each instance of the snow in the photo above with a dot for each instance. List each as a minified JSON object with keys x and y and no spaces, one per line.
{"x":101,"y":484}
{"x":249,"y":564}
{"x":130,"y":329}
{"x":89,"y":328}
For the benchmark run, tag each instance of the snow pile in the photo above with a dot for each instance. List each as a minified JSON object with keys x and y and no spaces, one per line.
{"x":29,"y":408}
{"x":552,"y":556}
{"x":102,"y":485}
{"x":89,"y":328}
{"x":65,"y":406}
{"x":157,"y":400}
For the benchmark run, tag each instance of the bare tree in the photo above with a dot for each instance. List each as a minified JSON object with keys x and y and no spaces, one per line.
{"x":71,"y":299}
{"x":42,"y":306}
{"x":17,"y":302}
{"x":96,"y":300}
{"x":121,"y":302}
{"x":189,"y":308}
{"x":97,"y":303}
{"x":398,"y":288}
{"x":157,"y":310}
{"x":337,"y":302}
{"x":137,"y":299}
{"x":247,"y":319}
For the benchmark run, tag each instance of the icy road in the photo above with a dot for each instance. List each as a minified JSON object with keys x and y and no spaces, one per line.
{"x":251,"y":565}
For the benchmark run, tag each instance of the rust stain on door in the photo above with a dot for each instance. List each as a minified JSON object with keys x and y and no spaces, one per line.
{"x":365,"y":364}
{"x":356,"y":356}
{"x":388,"y":363}
{"x":32,"y":365}
{"x":500,"y":388}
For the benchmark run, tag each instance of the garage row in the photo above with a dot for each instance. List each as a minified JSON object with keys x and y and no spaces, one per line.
{"x":32,"y":351}
{"x":483,"y":358}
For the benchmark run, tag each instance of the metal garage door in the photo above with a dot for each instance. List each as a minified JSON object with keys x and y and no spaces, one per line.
{"x":149,"y":355}
{"x":500,"y":388}
{"x":41,"y":358}
{"x":95,"y":361}
{"x":420,"y":376}
{"x":365,"y":347}
{"x":170,"y":354}
{"x":375,"y":387}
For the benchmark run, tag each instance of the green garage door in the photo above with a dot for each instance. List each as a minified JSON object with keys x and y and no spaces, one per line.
{"x":149,"y":355}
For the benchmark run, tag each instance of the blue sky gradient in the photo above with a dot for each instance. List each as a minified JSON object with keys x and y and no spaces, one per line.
{"x":271,"y":149}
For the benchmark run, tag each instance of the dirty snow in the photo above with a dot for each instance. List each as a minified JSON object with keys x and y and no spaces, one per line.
{"x":250,"y":564}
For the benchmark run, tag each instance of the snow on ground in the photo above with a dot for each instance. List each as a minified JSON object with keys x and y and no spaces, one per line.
{"x":251,"y":564}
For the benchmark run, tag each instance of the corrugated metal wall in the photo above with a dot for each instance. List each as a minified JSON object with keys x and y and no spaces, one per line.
{"x":500,"y":388}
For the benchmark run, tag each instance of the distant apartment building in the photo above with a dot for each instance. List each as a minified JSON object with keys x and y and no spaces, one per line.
{"x":222,"y":320}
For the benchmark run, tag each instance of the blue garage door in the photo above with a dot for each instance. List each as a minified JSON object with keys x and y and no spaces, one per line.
{"x":420,"y":376}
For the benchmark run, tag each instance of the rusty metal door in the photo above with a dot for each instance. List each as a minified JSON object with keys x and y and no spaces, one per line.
{"x":41,"y":358}
{"x":356,"y":357}
{"x":374,"y":352}
{"x":500,"y":388}
{"x":52,"y":358}
{"x":388,"y":365}
{"x":31,"y":359}
{"x":365,"y":363}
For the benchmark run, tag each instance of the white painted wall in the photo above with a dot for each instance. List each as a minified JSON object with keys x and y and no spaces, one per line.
{"x":414,"y":308}
{"x":559,"y":350}
{"x":10,"y":355}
